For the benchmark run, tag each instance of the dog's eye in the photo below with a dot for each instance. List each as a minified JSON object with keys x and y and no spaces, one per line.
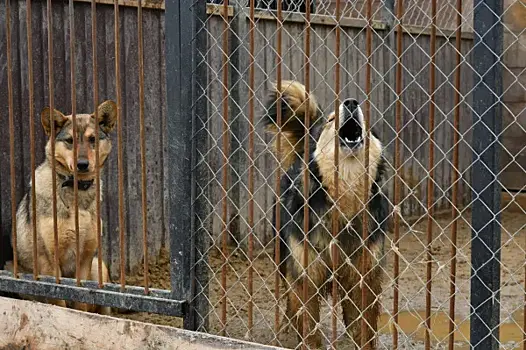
{"x":92,"y":139}
{"x":69,"y":140}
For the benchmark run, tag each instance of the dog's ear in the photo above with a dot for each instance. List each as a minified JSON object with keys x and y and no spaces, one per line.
{"x":107,"y":114}
{"x":46,"y":116}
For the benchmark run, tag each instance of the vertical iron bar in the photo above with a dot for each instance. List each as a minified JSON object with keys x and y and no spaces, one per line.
{"x":200,"y":243}
{"x":306,"y":173}
{"x":431,"y":164}
{"x":97,"y":157}
{"x":455,"y":178}
{"x":32,"y":136}
{"x":120,"y":156}
{"x":224,"y":183}
{"x":75,"y":136}
{"x":365,"y":213}
{"x":397,"y":161}
{"x":277,"y":187}
{"x":143,"y":148}
{"x":12,"y":171}
{"x":487,"y":121}
{"x":52,"y":137}
{"x":335,"y":214}
{"x":181,"y":88}
{"x":251,"y":108}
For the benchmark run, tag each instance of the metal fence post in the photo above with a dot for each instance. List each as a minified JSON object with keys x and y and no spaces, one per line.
{"x":487,"y":120}
{"x":182,"y":91}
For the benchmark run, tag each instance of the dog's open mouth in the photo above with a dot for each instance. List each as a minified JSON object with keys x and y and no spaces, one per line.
{"x":351,"y":131}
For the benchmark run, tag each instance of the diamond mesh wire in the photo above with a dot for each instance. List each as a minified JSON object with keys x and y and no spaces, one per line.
{"x":417,"y":12}
{"x":250,"y":303}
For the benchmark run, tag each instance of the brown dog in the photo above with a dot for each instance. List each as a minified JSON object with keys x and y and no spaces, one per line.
{"x":65,"y":167}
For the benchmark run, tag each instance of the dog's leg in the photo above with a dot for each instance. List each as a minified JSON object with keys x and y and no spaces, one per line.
{"x":84,"y":273}
{"x":317,"y":273}
{"x":312,"y":308}
{"x":47,"y":267}
{"x":351,"y":295}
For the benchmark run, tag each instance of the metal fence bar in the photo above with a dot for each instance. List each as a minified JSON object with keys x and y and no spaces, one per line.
{"x":251,"y":111}
{"x":364,"y":341}
{"x":277,"y":184}
{"x":455,"y":178}
{"x":52,"y":137}
{"x":335,"y":216}
{"x":306,"y":178}
{"x":180,"y":56}
{"x":142,"y":136}
{"x":487,"y":119}
{"x":224,"y":182}
{"x":430,"y":177}
{"x":97,"y":137}
{"x":120,"y":155}
{"x":12,"y":173}
{"x":397,"y":164}
{"x":31,"y":96}
{"x":197,"y":45}
{"x":75,"y":138}
{"x":131,"y":298}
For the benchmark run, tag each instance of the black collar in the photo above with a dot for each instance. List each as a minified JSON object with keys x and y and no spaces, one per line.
{"x":83,"y":185}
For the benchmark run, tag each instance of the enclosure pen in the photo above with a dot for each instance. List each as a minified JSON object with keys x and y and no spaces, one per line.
{"x":31,"y":90}
{"x":11,"y":135}
{"x":97,"y":154}
{"x":277,"y":188}
{"x":224,"y":211}
{"x":224,"y":234}
{"x":120,"y":155}
{"x":142,"y":135}
{"x":251,"y":113}
{"x":306,"y":177}
{"x":75,"y":138}
{"x":431,"y":166}
{"x":397,"y":165}
{"x":455,"y":178}
{"x":365,"y":213}
{"x":52,"y":136}
{"x":335,"y":213}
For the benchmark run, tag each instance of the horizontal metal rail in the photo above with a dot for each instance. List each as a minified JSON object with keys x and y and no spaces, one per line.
{"x":132,"y":298}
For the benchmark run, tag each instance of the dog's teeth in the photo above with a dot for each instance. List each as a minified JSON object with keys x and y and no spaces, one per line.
{"x":347,"y":140}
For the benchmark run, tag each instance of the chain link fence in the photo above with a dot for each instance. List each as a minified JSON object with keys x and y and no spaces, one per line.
{"x":420,"y":70}
{"x":416,"y":13}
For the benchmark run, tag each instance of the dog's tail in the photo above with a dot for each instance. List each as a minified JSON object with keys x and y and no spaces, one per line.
{"x":294,"y":107}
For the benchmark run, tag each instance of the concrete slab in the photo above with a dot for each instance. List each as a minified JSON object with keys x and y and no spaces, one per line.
{"x":31,"y":325}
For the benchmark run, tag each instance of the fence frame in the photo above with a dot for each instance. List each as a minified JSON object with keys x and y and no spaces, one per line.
{"x":182,"y":47}
{"x":487,"y":120}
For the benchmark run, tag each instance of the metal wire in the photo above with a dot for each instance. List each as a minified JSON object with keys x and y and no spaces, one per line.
{"x":225,"y":232}
{"x":431,"y":167}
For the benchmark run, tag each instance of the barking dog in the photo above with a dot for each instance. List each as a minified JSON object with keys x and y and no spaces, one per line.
{"x":322,"y":202}
{"x":65,"y":167}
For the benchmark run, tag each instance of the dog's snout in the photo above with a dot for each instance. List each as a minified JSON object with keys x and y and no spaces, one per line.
{"x":82,"y":165}
{"x":351,"y":104}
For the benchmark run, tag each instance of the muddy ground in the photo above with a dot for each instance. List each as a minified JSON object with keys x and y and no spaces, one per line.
{"x":412,"y":289}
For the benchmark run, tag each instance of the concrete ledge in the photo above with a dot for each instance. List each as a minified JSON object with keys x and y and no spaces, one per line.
{"x":31,"y":325}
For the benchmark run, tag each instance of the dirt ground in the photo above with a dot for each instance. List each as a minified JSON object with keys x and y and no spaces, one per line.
{"x":411,"y":289}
